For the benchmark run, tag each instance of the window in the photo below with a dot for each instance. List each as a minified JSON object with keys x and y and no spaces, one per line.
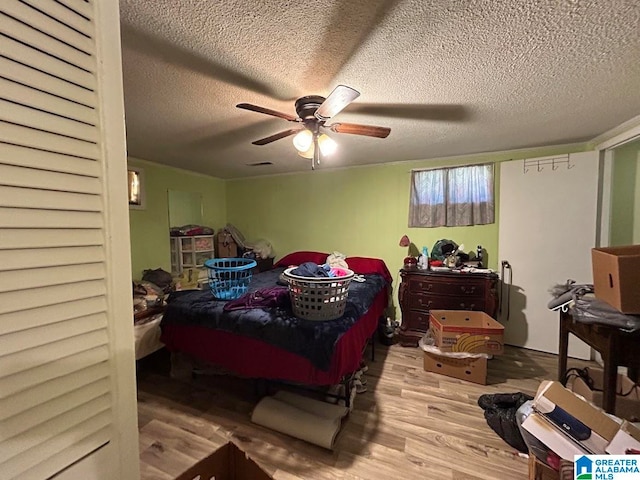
{"x":451,"y":197}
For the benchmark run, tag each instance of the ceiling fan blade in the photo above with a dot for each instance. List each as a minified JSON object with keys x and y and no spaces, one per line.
{"x":268,"y":111}
{"x":357,"y":129}
{"x":336,"y":101}
{"x":277,"y":136}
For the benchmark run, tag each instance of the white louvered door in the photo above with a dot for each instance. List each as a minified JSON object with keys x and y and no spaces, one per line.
{"x":67,"y":388}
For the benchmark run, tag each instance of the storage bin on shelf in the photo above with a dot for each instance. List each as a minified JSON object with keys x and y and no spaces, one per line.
{"x":229,"y":277}
{"x":318,"y":298}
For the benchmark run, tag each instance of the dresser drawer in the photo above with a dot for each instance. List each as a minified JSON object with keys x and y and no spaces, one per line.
{"x":469,"y":288}
{"x":422,"y":291}
{"x":430,"y":302}
{"x":418,"y":320}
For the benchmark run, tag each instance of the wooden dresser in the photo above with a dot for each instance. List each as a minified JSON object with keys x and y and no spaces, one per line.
{"x":423,"y":290}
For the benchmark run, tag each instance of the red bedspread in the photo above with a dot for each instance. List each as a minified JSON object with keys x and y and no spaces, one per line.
{"x":254,"y":358}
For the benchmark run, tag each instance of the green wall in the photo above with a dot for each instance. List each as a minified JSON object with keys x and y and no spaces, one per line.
{"x":359,"y":211}
{"x":150,"y":226}
{"x":625,"y":195}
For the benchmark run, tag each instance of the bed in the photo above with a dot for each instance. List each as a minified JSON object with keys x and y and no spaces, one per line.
{"x":271,"y":343}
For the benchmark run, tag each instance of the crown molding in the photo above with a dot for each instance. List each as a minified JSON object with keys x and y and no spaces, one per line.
{"x":623,"y":133}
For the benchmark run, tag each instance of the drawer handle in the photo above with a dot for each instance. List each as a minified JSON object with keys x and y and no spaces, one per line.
{"x":468,"y":289}
{"x":426,"y":287}
{"x":470,"y":307}
{"x":427,"y":305}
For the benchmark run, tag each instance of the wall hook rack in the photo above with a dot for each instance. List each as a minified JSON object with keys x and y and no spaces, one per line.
{"x":540,"y":163}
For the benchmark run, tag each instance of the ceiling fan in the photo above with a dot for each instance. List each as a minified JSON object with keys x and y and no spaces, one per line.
{"x":312,"y":113}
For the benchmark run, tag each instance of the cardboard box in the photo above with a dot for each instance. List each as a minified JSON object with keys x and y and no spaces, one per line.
{"x":627,"y":393}
{"x":226,"y":246}
{"x":597,"y":420}
{"x":552,"y":437}
{"x":470,"y":369}
{"x":466,"y":331}
{"x":541,"y":471}
{"x":626,"y":441}
{"x":226,"y":463}
{"x":567,"y":424}
{"x":616,"y":276}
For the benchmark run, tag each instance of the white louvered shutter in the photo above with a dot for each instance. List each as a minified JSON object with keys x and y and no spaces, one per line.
{"x":56,"y":347}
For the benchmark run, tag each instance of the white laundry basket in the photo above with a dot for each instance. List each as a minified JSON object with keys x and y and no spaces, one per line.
{"x":318,"y":298}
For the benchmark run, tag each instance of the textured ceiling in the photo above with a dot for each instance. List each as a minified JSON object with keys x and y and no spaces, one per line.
{"x":448,"y":77}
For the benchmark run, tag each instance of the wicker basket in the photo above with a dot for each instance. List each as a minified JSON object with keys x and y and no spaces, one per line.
{"x":229,"y":277}
{"x":318,"y":298}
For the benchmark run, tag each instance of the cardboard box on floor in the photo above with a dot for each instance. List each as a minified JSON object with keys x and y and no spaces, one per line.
{"x":226,"y":463}
{"x":540,"y":471}
{"x":470,"y":369}
{"x":592,"y":417}
{"x":616,"y":276}
{"x":466,"y":331}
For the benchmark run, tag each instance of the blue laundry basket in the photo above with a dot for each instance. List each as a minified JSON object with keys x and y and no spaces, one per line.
{"x":229,"y":277}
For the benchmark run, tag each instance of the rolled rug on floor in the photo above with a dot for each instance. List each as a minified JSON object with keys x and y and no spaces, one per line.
{"x":285,"y":418}
{"x":322,"y":409}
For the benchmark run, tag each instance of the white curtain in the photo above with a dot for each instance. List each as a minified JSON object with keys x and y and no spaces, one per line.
{"x":451,"y":197}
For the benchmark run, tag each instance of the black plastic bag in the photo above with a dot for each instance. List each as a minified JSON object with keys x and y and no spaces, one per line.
{"x":500,"y":413}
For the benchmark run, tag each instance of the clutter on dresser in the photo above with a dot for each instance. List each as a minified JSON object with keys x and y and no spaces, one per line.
{"x":445,"y":255}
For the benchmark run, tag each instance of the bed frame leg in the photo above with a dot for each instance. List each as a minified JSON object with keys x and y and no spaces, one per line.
{"x":372,"y":340}
{"x":347,"y":390}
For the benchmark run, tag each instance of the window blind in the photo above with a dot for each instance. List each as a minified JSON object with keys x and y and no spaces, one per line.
{"x":55,"y":399}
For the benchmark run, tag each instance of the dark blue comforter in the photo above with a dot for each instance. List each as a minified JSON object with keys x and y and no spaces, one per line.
{"x":314,"y":340}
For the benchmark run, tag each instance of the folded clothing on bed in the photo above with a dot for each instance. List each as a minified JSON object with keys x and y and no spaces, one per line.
{"x":361,"y":265}
{"x":276,"y":325}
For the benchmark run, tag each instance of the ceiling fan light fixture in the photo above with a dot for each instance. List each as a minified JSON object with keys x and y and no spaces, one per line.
{"x":327,"y":145}
{"x":307,"y":153}
{"x":312,"y":113}
{"x":303,"y":141}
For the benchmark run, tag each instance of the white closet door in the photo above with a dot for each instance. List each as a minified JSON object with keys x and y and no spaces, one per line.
{"x":67,"y":388}
{"x":548,"y":215}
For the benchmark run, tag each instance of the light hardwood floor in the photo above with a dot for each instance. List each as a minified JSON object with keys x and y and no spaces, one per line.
{"x":409,"y":424}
